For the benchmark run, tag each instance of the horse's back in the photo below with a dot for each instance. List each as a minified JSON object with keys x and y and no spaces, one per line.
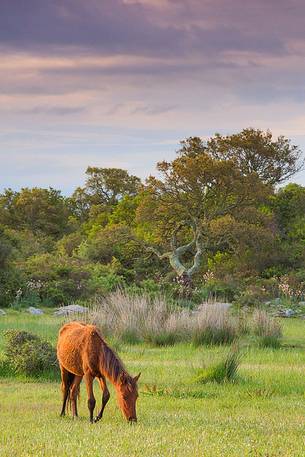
{"x":73,"y":347}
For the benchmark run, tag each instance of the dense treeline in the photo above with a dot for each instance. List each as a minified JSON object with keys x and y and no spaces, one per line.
{"x":215,"y":221}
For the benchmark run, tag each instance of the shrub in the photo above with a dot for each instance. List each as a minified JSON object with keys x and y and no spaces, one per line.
{"x":253,"y":295}
{"x":292,"y":286}
{"x":214,"y":289}
{"x":214,"y":325}
{"x":266,"y":328}
{"x":28,"y":354}
{"x":10,"y":283}
{"x":224,"y":371}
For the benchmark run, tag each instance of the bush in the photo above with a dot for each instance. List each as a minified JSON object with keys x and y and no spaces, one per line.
{"x":253,"y":295}
{"x":224,"y":371}
{"x":214,"y":325}
{"x":266,"y":328}
{"x":29,"y":355}
{"x":214,"y":289}
{"x":10,"y":283}
{"x":104,"y":282}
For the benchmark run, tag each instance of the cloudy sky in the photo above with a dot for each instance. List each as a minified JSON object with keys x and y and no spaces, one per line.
{"x":117,"y":83}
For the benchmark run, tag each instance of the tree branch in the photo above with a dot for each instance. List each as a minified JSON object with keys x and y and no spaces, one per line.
{"x":158,"y":254}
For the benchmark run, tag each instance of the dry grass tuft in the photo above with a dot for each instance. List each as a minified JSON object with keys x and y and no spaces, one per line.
{"x":136,"y":318}
{"x":267,"y":328}
{"x":214,"y":325}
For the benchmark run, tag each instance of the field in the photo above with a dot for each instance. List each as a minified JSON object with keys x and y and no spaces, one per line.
{"x":262,"y":414}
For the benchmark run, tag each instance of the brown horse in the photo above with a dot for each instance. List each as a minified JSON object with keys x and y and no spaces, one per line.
{"x":83,"y":353}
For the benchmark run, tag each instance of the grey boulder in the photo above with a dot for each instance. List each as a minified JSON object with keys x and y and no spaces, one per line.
{"x":35,"y":311}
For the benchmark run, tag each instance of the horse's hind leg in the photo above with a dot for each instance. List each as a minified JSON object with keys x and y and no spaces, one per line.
{"x":74,"y":392}
{"x":91,"y":400}
{"x":66,"y":381}
{"x":105,"y":398}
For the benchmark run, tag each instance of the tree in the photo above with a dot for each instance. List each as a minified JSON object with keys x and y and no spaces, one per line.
{"x":196,"y":189}
{"x":5,"y":248}
{"x":288,"y":205}
{"x":104,"y":188}
{"x":36,"y":209}
{"x":253,"y":151}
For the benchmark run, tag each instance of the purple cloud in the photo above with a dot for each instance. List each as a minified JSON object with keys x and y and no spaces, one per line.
{"x":159,"y":70}
{"x":135,"y":28}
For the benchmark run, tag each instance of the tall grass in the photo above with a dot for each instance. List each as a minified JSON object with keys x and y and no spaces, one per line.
{"x":224,"y":371}
{"x":266,"y":328}
{"x":136,"y":318}
{"x":214,"y":325}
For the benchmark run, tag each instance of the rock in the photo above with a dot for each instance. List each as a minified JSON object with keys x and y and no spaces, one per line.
{"x":35,"y":311}
{"x":70,"y":309}
{"x":301,"y":303}
{"x":287,"y":313}
{"x":2,"y":312}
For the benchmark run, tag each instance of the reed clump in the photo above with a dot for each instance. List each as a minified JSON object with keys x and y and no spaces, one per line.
{"x":267,"y":329}
{"x":137,"y":318}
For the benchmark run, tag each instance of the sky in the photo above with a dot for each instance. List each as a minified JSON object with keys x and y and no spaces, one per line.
{"x":118,"y":83}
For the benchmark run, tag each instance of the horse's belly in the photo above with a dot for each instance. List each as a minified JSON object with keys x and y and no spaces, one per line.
{"x":70,"y":359}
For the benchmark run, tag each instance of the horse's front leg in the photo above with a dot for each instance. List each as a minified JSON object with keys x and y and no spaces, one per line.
{"x":91,"y":400}
{"x":105,"y":398}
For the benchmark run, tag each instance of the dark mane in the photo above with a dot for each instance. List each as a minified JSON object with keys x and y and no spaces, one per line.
{"x":111,"y":364}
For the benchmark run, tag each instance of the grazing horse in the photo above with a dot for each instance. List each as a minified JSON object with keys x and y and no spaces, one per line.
{"x":83,"y":353}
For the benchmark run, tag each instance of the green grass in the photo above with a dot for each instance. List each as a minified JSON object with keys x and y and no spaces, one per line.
{"x":260,"y":415}
{"x":224,"y":371}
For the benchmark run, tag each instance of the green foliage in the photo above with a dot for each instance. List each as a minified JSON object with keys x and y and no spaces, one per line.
{"x":103,"y":282}
{"x":29,"y":355}
{"x":115,"y":231}
{"x":11,"y":281}
{"x":215,"y":289}
{"x":104,"y":188}
{"x":38,"y":210}
{"x":53,"y":280}
{"x":6,"y":248}
{"x":273,"y":160}
{"x":253,"y":295}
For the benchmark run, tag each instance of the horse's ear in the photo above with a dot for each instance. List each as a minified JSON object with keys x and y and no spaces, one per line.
{"x":136,"y":378}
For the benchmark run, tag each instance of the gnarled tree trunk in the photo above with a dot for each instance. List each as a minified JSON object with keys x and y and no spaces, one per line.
{"x":184,"y":273}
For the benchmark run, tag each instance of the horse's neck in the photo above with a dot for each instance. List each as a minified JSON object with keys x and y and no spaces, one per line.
{"x":110,"y":364}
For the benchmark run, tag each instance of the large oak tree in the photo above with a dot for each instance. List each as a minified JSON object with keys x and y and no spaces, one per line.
{"x":210,"y":180}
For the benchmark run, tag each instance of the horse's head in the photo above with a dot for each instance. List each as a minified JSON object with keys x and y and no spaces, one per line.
{"x":127,"y":390}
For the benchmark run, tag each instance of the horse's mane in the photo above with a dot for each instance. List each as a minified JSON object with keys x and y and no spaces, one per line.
{"x":111,"y":362}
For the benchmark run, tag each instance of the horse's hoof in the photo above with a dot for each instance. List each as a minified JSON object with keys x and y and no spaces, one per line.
{"x":96,"y":419}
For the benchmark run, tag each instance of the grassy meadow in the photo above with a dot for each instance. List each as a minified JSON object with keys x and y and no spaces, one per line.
{"x":261,"y":414}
